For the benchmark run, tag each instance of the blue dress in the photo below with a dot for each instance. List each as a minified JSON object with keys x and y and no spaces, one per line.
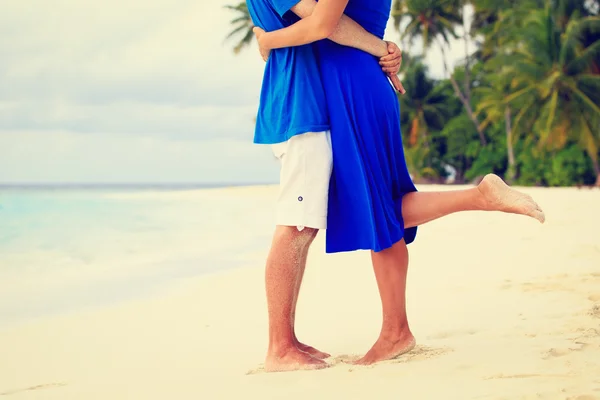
{"x":369,"y":176}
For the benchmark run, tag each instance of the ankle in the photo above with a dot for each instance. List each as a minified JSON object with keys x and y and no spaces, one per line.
{"x":395,"y":333}
{"x":280,"y":349}
{"x":480,"y":202}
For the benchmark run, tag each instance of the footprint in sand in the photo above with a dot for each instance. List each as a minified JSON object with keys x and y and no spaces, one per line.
{"x":594,"y":297}
{"x":449,"y":334}
{"x":524,"y":376}
{"x":31,"y":388}
{"x":555,"y":352}
{"x":560,"y":283}
{"x":595,"y":311}
{"x":586,"y":332}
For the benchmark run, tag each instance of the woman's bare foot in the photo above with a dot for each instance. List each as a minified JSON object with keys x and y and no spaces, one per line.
{"x":385,"y":349}
{"x":498,"y":196}
{"x":292,"y":359}
{"x":312,"y":351}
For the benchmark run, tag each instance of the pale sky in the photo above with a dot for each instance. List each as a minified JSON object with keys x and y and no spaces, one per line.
{"x":129,"y":91}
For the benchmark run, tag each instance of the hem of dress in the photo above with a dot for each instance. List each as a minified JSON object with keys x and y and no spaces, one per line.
{"x":409,"y":235}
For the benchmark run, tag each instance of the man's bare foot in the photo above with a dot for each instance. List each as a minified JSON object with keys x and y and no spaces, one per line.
{"x":312,"y":351}
{"x":498,"y":196}
{"x":387,"y":350}
{"x":292,"y":360}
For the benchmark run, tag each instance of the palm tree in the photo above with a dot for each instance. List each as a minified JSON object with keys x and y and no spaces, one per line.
{"x":424,"y":108}
{"x":242,"y":26}
{"x":498,"y":21}
{"x":427,"y":19}
{"x":435,"y":21}
{"x":497,"y":109}
{"x":551,"y":69}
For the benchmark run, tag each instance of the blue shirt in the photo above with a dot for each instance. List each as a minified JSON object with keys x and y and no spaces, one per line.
{"x":292,"y":98}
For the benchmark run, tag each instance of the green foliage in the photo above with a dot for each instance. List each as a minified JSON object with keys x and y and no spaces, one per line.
{"x":565,"y":167}
{"x":532,"y":83}
{"x":428,"y":19}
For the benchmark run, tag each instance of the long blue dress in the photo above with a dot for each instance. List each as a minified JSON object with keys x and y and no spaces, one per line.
{"x":369,"y":176}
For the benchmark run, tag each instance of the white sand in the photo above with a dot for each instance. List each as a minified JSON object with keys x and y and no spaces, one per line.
{"x":502,"y":308}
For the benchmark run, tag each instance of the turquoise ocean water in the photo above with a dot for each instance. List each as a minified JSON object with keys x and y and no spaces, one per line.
{"x":64,"y":248}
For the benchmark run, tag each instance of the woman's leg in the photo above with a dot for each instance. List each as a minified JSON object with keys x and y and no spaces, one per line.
{"x":492,"y":194}
{"x":395,"y":338}
{"x":391,"y":265}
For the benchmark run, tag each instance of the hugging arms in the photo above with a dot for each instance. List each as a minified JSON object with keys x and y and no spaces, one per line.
{"x":325,"y":20}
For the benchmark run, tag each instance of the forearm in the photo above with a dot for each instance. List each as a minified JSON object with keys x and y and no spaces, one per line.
{"x":349,"y":33}
{"x":318,"y":24}
{"x":303,"y":32}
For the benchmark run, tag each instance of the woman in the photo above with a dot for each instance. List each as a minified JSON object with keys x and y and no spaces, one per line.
{"x":373,"y":203}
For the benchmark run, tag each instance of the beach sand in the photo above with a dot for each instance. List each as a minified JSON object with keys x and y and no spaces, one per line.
{"x":502,"y":307}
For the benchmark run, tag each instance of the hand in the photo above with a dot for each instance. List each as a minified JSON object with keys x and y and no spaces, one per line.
{"x":391,"y":64}
{"x":264,"y":52}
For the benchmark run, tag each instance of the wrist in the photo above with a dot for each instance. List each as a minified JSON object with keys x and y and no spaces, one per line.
{"x":265,"y":42}
{"x":382,"y":49}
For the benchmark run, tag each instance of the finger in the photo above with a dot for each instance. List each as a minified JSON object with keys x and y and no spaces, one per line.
{"x":389,"y":63}
{"x":397,"y":84}
{"x":395,"y":81}
{"x":392,"y":47}
{"x":391,"y":70}
{"x":391,"y":56}
{"x":401,"y":88}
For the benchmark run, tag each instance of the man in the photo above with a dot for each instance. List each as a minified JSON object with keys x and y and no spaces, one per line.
{"x":293,"y":118}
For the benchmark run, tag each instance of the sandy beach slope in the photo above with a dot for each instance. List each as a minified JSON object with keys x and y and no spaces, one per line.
{"x":502,"y":308}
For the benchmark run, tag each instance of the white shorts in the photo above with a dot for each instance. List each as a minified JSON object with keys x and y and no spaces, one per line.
{"x":306,"y":165}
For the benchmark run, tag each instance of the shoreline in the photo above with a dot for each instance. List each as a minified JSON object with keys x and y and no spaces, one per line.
{"x":501,"y":307}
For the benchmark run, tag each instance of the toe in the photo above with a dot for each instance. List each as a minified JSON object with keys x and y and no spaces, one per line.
{"x":539,"y":215}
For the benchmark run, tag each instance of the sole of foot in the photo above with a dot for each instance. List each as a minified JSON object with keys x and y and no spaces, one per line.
{"x":501,"y":197}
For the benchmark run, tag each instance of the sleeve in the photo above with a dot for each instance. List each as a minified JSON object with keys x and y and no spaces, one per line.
{"x":283,"y":6}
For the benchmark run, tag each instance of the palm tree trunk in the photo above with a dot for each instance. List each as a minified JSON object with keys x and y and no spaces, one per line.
{"x":466,"y":103}
{"x":467,"y":66}
{"x":596,"y":170}
{"x":510,"y":173}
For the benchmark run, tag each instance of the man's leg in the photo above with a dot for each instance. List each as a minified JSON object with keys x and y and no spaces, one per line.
{"x":305,"y":348}
{"x":281,"y":276}
{"x":306,"y":163}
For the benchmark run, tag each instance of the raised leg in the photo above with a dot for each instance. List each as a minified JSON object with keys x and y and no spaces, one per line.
{"x":281,"y":276}
{"x":492,"y":194}
{"x":395,"y":338}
